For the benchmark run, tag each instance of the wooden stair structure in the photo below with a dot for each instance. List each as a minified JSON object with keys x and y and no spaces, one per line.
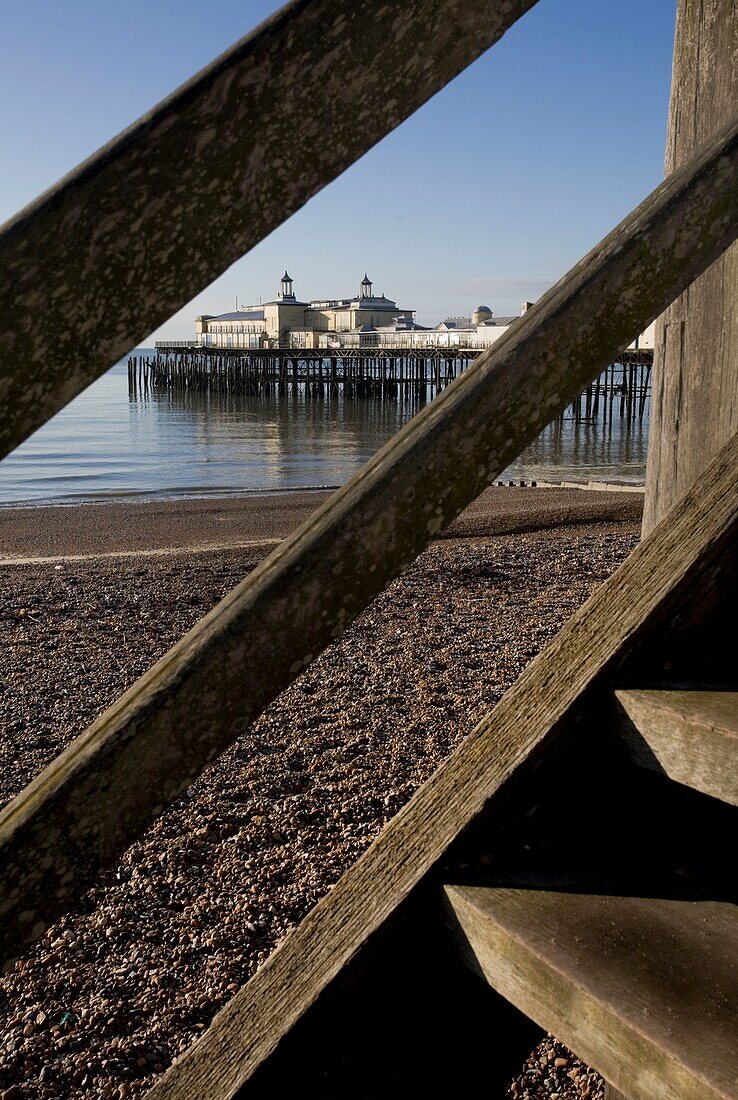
{"x":639,"y":987}
{"x":690,"y":734}
{"x":575,"y":850}
{"x":624,"y":942}
{"x":621,"y":941}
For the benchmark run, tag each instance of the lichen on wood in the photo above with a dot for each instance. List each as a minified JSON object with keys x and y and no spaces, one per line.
{"x":82,"y":812}
{"x":110,"y":253}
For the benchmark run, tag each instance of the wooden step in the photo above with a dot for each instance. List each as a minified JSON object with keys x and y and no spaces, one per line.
{"x":691,"y":735}
{"x":643,"y":989}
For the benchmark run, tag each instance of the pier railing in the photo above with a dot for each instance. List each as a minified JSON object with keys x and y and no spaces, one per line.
{"x":103,"y":222}
{"x":173,"y":345}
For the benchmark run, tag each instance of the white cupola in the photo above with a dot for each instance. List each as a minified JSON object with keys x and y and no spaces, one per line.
{"x":286,"y":292}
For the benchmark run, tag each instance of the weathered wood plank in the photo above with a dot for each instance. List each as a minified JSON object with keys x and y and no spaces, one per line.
{"x":678,"y":561}
{"x":152,"y":218}
{"x":692,"y":736}
{"x":79,"y":815}
{"x":643,"y":989}
{"x":694,"y":407}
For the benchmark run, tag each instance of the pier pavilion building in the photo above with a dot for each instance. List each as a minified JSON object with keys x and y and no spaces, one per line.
{"x":289,"y":321}
{"x":365,"y":320}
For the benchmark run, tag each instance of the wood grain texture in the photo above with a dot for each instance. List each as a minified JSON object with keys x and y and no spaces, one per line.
{"x":694,"y":407}
{"x":662,"y":573}
{"x":643,"y":989}
{"x":152,"y":218}
{"x":79,"y":815}
{"x":692,"y":736}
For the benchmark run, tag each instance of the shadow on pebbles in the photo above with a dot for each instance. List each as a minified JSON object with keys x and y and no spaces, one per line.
{"x":119,"y":988}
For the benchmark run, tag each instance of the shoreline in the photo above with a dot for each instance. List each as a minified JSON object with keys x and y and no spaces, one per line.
{"x":155,"y":496}
{"x":36,"y":534}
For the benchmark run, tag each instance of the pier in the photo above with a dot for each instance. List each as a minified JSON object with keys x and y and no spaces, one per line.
{"x":558,"y":872}
{"x":622,"y":390}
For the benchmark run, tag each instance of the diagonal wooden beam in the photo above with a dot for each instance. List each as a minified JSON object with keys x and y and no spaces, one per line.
{"x":683,"y":559}
{"x":80,"y":814}
{"x":103,"y":258}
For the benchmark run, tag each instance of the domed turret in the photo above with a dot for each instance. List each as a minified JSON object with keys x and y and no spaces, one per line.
{"x":285,"y":288}
{"x":481,"y":313}
{"x":365,"y":289}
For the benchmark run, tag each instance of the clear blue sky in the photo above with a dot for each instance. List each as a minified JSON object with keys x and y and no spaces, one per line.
{"x":487,"y":195}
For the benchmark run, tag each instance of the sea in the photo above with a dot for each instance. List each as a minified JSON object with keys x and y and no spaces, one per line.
{"x":110,"y":444}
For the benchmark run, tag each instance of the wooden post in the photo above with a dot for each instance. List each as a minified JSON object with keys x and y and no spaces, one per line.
{"x":694,"y":410}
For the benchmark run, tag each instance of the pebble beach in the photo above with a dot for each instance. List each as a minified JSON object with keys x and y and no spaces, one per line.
{"x":93,"y":594}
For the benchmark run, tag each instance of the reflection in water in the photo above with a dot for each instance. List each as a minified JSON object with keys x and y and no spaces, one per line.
{"x":105,"y":444}
{"x":583,"y":451}
{"x":267,"y":440}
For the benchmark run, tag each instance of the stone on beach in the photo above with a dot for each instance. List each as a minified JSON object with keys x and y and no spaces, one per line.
{"x":120,"y":987}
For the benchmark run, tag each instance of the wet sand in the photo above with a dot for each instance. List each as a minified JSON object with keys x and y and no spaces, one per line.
{"x":262,"y":519}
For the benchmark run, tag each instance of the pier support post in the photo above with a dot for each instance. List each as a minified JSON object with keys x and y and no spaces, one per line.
{"x":694,"y":410}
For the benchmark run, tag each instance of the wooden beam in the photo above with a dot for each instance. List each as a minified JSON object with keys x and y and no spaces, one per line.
{"x":678,"y":561}
{"x":79,"y":815}
{"x":404,"y":1020}
{"x":110,"y":253}
{"x":644,"y":989}
{"x":694,"y":407}
{"x":692,"y":736}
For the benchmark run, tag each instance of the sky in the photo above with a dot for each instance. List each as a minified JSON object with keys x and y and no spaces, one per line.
{"x":486,"y":195}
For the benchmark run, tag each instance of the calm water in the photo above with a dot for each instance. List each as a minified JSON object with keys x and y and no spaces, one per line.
{"x":105,"y":444}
